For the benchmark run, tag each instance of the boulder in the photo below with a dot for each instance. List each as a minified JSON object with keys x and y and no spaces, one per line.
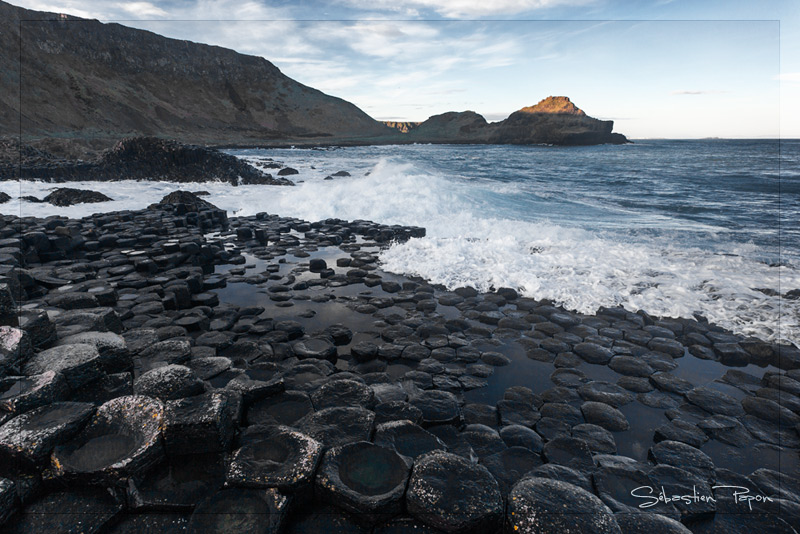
{"x":201,"y":424}
{"x":78,"y":363}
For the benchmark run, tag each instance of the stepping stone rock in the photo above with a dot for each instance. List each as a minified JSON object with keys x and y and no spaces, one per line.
{"x":548,"y":506}
{"x":87,"y":511}
{"x":79,"y":364}
{"x":397,"y":410}
{"x":28,"y":439}
{"x":240,"y":511}
{"x":651,"y":523}
{"x":571,"y":378}
{"x":123,"y":439}
{"x":596,"y":437}
{"x":178,"y":483}
{"x":114,"y":354}
{"x":626,"y":489}
{"x":727,"y":430}
{"x":407,"y":438}
{"x":509,"y":465}
{"x":569,"y":452}
{"x":563,"y":473}
{"x":714,"y":401}
{"x":365,"y":479}
{"x":452,"y":494}
{"x":670,"y":383}
{"x":521,"y":436}
{"x":605,"y":392}
{"x":18,"y":394}
{"x":685,"y":456}
{"x":343,"y":392}
{"x":201,"y":424}
{"x":630,"y":366}
{"x":608,"y":417}
{"x":437,"y":407}
{"x":593,"y":353}
{"x":514,"y":412}
{"x":319,"y":348}
{"x":169,"y":382}
{"x":678,"y":430}
{"x":677,"y":481}
{"x":15,"y":349}
{"x":338,"y":426}
{"x":285,"y":460}
{"x":284,"y":408}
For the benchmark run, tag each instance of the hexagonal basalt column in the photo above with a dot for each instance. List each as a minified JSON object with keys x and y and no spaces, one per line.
{"x":452,"y":494}
{"x":123,"y":439}
{"x":240,"y":511}
{"x":285,"y":460}
{"x":364,"y":479}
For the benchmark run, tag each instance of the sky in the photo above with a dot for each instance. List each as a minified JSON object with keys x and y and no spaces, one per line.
{"x":658,"y":68}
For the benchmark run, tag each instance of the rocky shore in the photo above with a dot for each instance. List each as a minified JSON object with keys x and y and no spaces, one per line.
{"x":172,"y":369}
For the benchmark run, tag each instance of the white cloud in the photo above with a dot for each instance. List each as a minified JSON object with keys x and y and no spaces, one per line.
{"x":691,"y":92}
{"x":142,"y":9}
{"x":791,"y":77}
{"x":463,"y":8}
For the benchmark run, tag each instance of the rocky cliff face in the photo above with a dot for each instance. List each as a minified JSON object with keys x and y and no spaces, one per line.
{"x":554,"y":121}
{"x":402,"y":127}
{"x":82,"y":78}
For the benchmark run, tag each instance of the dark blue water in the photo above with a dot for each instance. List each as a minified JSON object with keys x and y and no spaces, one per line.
{"x":672,"y":227}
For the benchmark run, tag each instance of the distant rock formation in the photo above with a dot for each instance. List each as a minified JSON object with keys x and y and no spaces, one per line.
{"x":553,"y":121}
{"x":402,"y":127}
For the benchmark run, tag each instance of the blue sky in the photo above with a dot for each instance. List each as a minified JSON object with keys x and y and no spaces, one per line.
{"x":658,"y":68}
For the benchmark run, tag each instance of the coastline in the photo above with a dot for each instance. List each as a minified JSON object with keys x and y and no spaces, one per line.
{"x":265,"y":311}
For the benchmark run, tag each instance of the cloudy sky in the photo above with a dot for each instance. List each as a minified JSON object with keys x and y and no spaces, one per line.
{"x":659,"y":68}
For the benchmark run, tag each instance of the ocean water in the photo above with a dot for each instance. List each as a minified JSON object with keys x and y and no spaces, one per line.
{"x":676,"y":228}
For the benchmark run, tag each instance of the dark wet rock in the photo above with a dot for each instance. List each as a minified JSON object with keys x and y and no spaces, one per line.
{"x":495,"y":358}
{"x":454,"y":495}
{"x":569,"y":452}
{"x":287,"y":171}
{"x":769,"y":410}
{"x":97,"y":319}
{"x":677,"y":481}
{"x":702,"y":352}
{"x":200,"y":424}
{"x":625,"y":489}
{"x":593,"y":353}
{"x":255,"y":384}
{"x":484,"y":441}
{"x":571,"y":378}
{"x":397,"y":410}
{"x":630,"y":366}
{"x":562,"y":411}
{"x":114,"y":354}
{"x":285,"y":459}
{"x":343,"y":393}
{"x":319,"y":348}
{"x":87,"y":511}
{"x":635,"y":384}
{"x":605,"y":392}
{"x":178,"y":483}
{"x":771,"y":432}
{"x":79,"y":363}
{"x":509,"y":465}
{"x":209,"y":367}
{"x":599,"y":439}
{"x":19,"y":394}
{"x":364,"y":351}
{"x":604,"y":415}
{"x":776,"y":484}
{"x":659,"y":399}
{"x":671,"y":383}
{"x":66,"y":196}
{"x":437,"y":407}
{"x":283,"y":408}
{"x":123,"y":439}
{"x":402,"y":525}
{"x":522,"y":436}
{"x":416,"y":353}
{"x":240,"y":511}
{"x":37,"y":324}
{"x":731,"y":354}
{"x":293,"y":329}
{"x":667,"y":346}
{"x":15,"y":349}
{"x":483,"y":414}
{"x":562,"y":473}
{"x":727,"y":430}
{"x":551,"y":506}
{"x":651,"y":523}
{"x":551,"y":428}
{"x":514,"y":412}
{"x":659,"y":361}
{"x":169,"y":382}
{"x":678,"y":430}
{"x":8,"y":499}
{"x":684,"y":456}
{"x":364,"y":479}
{"x":338,"y":426}
{"x":714,"y":401}
{"x":407,"y":438}
{"x":29,"y":438}
{"x":556,"y":394}
{"x":170,"y":351}
{"x":165,"y":523}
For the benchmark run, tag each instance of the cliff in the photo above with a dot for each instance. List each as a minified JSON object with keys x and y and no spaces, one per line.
{"x":82,"y":78}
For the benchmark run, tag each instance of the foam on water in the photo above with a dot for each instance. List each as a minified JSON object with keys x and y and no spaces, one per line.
{"x":475,"y":239}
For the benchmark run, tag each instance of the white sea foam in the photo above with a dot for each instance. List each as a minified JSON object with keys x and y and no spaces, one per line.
{"x":470,"y":242}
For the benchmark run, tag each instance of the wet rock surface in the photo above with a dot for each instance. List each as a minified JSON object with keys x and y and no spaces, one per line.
{"x":256,"y":344}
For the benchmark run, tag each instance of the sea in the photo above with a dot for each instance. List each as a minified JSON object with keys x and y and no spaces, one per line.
{"x":678,"y":228}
